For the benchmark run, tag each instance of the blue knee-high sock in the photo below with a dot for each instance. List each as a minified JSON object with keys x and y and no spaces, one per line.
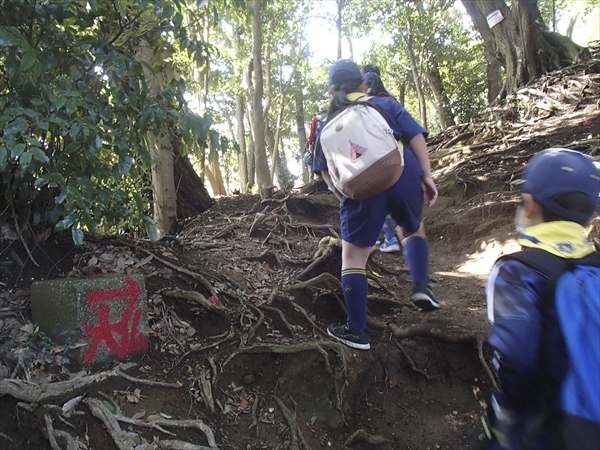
{"x":354,"y":283}
{"x":388,"y":228}
{"x":416,"y":254}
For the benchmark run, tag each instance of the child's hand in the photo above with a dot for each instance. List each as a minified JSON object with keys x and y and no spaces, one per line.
{"x":431,"y":191}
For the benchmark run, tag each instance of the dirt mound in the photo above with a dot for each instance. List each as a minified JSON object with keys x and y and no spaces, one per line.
{"x":258,"y":371}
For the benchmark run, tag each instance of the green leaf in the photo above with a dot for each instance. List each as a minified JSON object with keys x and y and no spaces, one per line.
{"x":25,"y":159}
{"x":17,"y":150}
{"x":7,"y":39}
{"x":64,"y":223}
{"x":28,"y":61}
{"x":150,"y":228}
{"x":77,"y":235}
{"x":39,"y":154}
{"x":120,"y":68}
{"x":125,"y":165}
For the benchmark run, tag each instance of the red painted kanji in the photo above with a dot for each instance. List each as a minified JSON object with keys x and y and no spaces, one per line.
{"x":122,"y":338}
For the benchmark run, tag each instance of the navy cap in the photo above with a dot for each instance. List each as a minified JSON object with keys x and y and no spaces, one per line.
{"x":558,"y":171}
{"x":343,"y":70}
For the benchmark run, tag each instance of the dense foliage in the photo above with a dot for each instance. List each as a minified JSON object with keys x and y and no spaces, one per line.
{"x":75,"y":110}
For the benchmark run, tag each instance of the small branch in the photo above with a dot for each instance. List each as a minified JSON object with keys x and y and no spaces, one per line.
{"x":34,"y":262}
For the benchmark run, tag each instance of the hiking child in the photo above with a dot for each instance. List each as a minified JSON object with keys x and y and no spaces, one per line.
{"x":361,"y":221}
{"x":534,"y":355}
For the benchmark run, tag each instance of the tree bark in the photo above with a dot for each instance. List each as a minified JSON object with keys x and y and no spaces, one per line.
{"x":518,"y":41}
{"x":338,"y":23}
{"x":192,"y":196}
{"x":441,"y":101}
{"x":163,"y":181}
{"x":263,"y":176}
{"x":416,"y":75}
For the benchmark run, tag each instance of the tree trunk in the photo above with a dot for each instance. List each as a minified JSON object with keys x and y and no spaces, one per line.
{"x":163,"y":182}
{"x":518,"y":41}
{"x":441,"y":101}
{"x":241,"y":140}
{"x":338,"y":23}
{"x":300,"y":125}
{"x":416,"y":76}
{"x":494,"y":77}
{"x":265,"y":184}
{"x":192,"y":196}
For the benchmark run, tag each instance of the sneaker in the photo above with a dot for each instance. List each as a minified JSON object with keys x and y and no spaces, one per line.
{"x":390,"y":246}
{"x":345,"y":335}
{"x":423,"y":298}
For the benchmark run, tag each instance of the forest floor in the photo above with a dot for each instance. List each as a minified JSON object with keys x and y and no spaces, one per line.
{"x":257,"y":370}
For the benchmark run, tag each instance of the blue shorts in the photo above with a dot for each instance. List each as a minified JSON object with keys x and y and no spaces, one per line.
{"x":361,"y":222}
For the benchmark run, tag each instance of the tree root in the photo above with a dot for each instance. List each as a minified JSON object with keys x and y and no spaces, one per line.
{"x":223,"y":232}
{"x":362,"y":435}
{"x":53,"y":434}
{"x":262,"y":218}
{"x":259,"y":322}
{"x":412,"y":364}
{"x":294,"y":348}
{"x":124,"y":441}
{"x":196,"y":276}
{"x":283,"y":319}
{"x":169,"y":444}
{"x":272,"y":253}
{"x":328,"y":247}
{"x":295,"y":430}
{"x":199,"y":349}
{"x":325,"y":278}
{"x":30,"y":392}
{"x":480,"y":341}
{"x":198,"y":297}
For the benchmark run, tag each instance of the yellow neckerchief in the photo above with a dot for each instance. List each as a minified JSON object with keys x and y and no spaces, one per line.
{"x":561,"y":238}
{"x":354,"y":96}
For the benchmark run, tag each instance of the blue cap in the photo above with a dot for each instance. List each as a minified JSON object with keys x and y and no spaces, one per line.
{"x":343,"y":70}
{"x":558,"y":171}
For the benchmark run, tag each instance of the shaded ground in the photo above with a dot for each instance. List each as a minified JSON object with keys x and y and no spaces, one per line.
{"x":260,"y":372}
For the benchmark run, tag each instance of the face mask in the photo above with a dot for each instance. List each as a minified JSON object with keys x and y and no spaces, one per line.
{"x":521,"y":222}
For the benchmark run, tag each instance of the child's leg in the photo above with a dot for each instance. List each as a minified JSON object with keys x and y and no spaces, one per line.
{"x":416,"y":253}
{"x":389,"y":228}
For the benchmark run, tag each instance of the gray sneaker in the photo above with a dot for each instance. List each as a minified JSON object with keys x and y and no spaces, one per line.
{"x":424,"y":298}
{"x":345,"y":335}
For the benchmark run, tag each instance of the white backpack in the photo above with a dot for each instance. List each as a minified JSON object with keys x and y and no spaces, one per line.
{"x":363,"y":157}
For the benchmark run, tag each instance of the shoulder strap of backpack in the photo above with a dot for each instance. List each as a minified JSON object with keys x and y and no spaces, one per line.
{"x":551,"y":265}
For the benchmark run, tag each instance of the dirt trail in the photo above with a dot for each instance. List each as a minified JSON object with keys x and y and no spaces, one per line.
{"x":264,"y":375}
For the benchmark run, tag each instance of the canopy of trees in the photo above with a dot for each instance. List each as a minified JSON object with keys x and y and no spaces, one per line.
{"x":107,"y":107}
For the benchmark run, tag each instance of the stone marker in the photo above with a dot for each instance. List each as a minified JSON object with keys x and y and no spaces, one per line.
{"x":108,"y":313}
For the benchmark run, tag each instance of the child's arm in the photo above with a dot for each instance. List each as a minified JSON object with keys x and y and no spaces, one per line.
{"x":513,"y":309}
